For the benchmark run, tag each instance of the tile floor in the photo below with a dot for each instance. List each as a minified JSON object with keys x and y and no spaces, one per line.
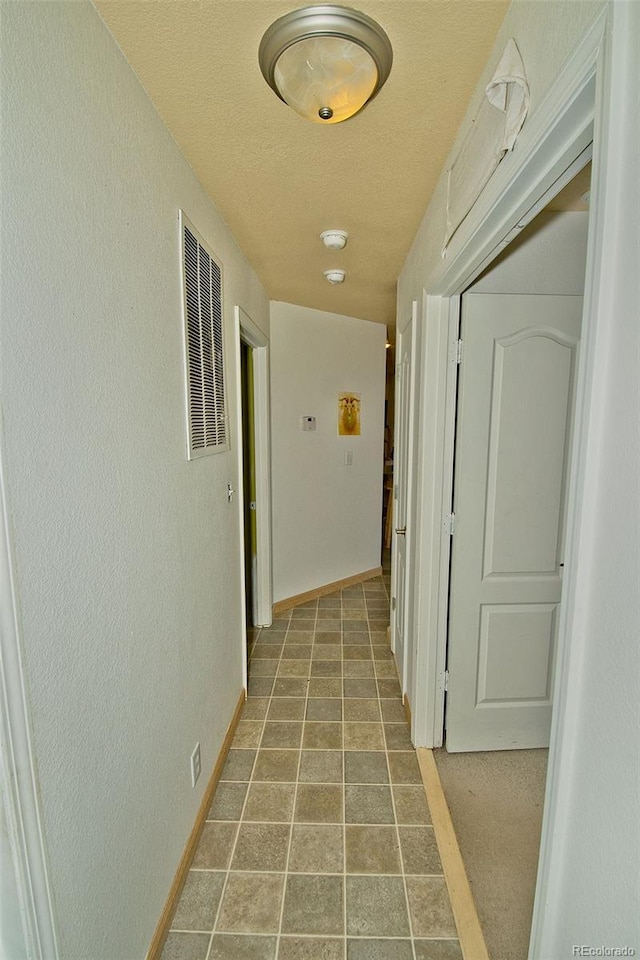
{"x":318,"y":844}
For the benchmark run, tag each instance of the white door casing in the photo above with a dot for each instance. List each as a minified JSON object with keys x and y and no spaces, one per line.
{"x":513,"y":434}
{"x":247,"y":331}
{"x":401,"y":573}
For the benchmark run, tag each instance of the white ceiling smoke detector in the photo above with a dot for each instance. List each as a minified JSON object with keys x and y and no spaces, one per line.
{"x":334,"y":239}
{"x":335,"y":276}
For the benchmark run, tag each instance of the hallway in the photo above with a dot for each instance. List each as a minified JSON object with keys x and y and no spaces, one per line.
{"x":318,"y":844}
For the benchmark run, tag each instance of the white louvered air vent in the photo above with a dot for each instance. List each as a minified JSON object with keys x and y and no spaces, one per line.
{"x":204,"y":347}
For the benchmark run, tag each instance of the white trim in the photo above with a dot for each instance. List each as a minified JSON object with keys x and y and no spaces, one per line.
{"x":247,"y":331}
{"x":20,"y":792}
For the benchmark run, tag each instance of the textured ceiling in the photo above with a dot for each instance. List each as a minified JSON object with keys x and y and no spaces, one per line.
{"x":279,"y":180}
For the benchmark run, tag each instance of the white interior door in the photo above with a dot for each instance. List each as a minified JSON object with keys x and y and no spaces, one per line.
{"x":401,"y":457}
{"x":512,"y":439}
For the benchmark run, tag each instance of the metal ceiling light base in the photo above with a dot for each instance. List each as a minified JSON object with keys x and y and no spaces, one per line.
{"x":326,"y":62}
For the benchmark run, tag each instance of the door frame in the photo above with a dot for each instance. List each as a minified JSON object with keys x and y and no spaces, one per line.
{"x":409,"y":467}
{"x":248,"y":332}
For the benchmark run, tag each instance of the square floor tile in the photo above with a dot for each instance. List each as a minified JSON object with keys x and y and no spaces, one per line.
{"x":363,"y":736}
{"x":261,"y":846}
{"x":260,"y":686}
{"x":319,"y":803}
{"x":367,"y":710}
{"x":325,"y":687}
{"x":322,"y":736}
{"x":316,"y":849}
{"x":290,"y":687}
{"x":411,"y":804}
{"x":379,"y":950}
{"x":229,"y":946}
{"x":385,"y":670}
{"x":265,"y":651}
{"x":293,"y":668}
{"x":296,"y":651}
{"x":360,"y":688}
{"x":382,"y":652}
{"x":327,"y":651}
{"x":314,"y":905}
{"x":228,"y":801}
{"x":251,"y":903}
{"x":319,"y":708}
{"x":270,"y":802}
{"x":263,"y":668}
{"x":389,"y":689}
{"x":357,"y":637}
{"x":214,"y":847}
{"x":368,"y":804}
{"x":403,"y":767}
{"x":326,"y":668}
{"x":255,"y":708}
{"x":372,"y":849}
{"x":310,"y":948}
{"x":397,"y":737}
{"x":431,"y":914}
{"x":287,"y":708}
{"x":357,"y":652}
{"x":277,"y":765}
{"x":247,"y":735}
{"x":358,"y":669}
{"x":376,"y":907}
{"x":282,"y":733}
{"x":419,"y":850}
{"x":365,"y":767}
{"x":331,"y":637}
{"x":198,"y":903}
{"x":186,"y":946}
{"x":393,"y":711}
{"x":321,"y":766}
{"x":238,"y":765}
{"x":303,"y":623}
{"x":300,"y":637}
{"x":438,"y":950}
{"x":352,"y":625}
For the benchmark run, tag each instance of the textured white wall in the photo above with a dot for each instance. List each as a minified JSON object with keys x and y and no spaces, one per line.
{"x":126,"y":556}
{"x":549,"y":256}
{"x":326,"y":516}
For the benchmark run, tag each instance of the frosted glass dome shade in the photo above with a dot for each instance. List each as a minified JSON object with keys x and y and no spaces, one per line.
{"x":326,"y":62}
{"x":325,"y":73}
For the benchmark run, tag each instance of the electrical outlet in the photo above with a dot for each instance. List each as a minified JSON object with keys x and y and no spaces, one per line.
{"x":196,"y":765}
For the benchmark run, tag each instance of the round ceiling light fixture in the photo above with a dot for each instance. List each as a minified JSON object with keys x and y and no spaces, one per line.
{"x":334,"y":239}
{"x":335,"y":276}
{"x":326,"y":62}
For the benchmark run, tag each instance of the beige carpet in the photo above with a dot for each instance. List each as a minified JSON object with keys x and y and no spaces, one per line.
{"x":496,"y":802}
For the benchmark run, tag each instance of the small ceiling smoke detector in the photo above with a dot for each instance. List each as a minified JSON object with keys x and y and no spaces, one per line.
{"x":334,"y":239}
{"x":335,"y":276}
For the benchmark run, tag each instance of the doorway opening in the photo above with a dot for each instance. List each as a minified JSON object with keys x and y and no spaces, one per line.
{"x":513,"y":436}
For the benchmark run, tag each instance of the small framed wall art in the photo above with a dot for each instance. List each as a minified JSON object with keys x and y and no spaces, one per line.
{"x":349,"y":414}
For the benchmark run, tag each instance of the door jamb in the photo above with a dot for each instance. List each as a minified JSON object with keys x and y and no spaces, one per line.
{"x":247,"y":331}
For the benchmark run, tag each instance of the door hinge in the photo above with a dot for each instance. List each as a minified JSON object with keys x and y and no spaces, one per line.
{"x":446,"y":680}
{"x":252,"y":505}
{"x":450,"y":524}
{"x":393,"y":603}
{"x":459,"y":351}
